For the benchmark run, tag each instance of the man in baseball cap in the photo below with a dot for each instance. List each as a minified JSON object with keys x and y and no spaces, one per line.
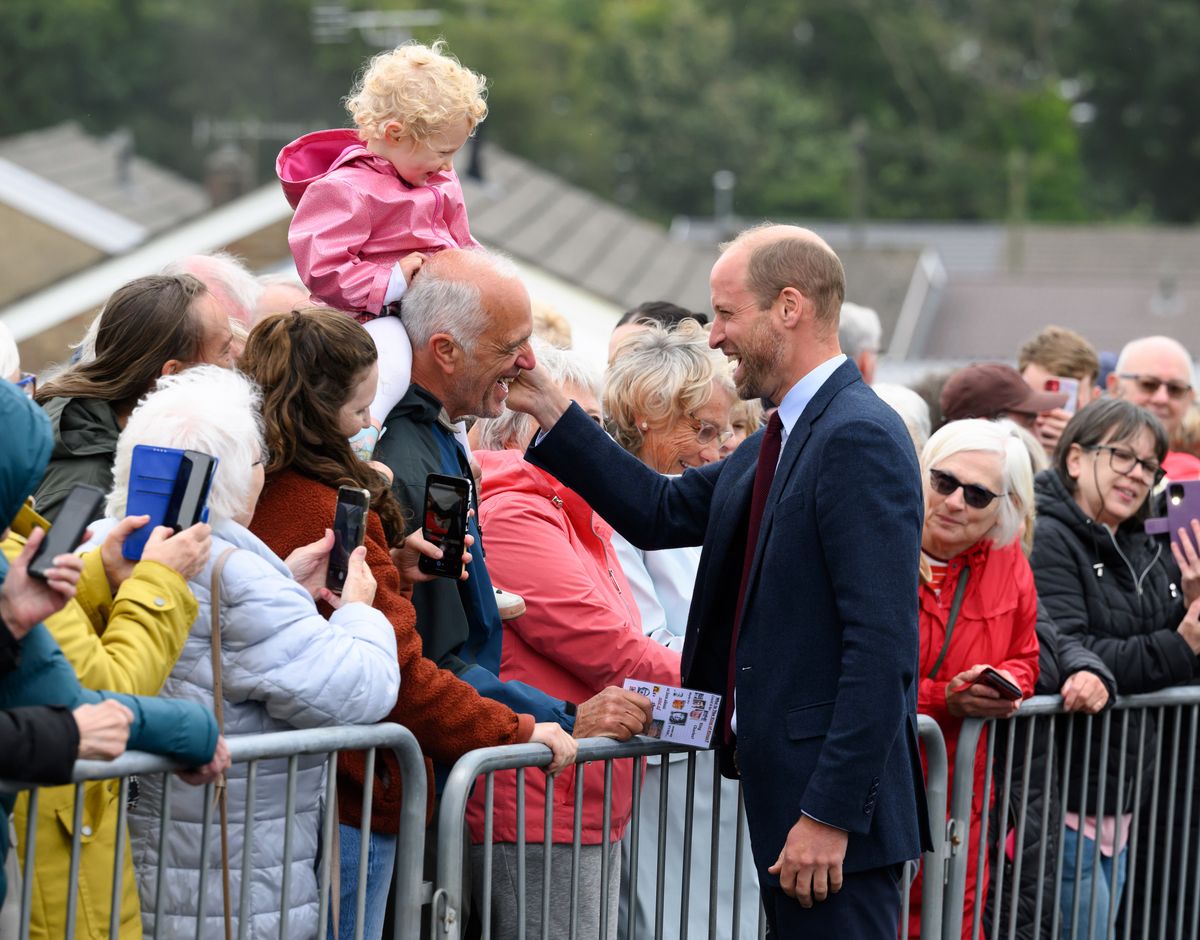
{"x":992,"y":390}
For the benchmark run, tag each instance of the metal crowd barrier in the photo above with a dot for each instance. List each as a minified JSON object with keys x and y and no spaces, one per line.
{"x":1145,"y":749}
{"x":449,"y":907}
{"x":251,"y":749}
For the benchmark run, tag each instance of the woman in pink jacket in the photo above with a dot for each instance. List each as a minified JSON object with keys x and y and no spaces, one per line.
{"x":580,"y":632}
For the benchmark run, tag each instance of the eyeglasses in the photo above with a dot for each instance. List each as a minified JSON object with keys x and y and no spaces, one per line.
{"x":974,"y":495}
{"x":707,"y":433}
{"x":1150,"y":384}
{"x":1123,"y":461}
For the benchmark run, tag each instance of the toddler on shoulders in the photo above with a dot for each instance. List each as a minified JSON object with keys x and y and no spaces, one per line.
{"x":372,"y":203}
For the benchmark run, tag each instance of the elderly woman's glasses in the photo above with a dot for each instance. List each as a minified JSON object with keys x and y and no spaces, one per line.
{"x":707,"y":433}
{"x":974,"y":495}
{"x":1123,"y":461}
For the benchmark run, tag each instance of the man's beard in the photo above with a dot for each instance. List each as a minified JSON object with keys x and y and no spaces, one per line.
{"x":760,"y":358}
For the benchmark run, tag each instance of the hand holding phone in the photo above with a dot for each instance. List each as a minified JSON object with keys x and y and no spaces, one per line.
{"x":1009,"y":691}
{"x":349,"y":532}
{"x":447,"y":500}
{"x":78,"y":510}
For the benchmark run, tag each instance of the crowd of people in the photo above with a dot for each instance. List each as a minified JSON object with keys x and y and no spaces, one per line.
{"x":729,"y":507}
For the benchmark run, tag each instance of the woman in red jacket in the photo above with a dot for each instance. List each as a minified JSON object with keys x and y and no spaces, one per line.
{"x":318,"y":372}
{"x":581,"y":632}
{"x":978,"y":602}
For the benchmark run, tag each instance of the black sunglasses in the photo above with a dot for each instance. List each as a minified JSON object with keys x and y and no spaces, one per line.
{"x":974,"y":495}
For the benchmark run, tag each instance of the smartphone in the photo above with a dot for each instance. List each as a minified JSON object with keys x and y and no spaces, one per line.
{"x":78,"y":510}
{"x":349,"y":532}
{"x":1070,"y":387}
{"x":171,"y":487}
{"x":993,"y":680}
{"x":1183,"y":505}
{"x":447,"y":500}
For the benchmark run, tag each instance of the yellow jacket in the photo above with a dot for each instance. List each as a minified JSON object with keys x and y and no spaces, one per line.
{"x":128,"y":643}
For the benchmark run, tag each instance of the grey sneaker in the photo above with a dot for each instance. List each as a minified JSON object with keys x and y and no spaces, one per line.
{"x":511,"y":605}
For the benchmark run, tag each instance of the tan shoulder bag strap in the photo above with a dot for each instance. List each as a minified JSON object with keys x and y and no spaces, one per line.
{"x":219,"y":710}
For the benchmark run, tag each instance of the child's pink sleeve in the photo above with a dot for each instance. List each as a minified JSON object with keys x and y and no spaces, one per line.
{"x":331,"y":225}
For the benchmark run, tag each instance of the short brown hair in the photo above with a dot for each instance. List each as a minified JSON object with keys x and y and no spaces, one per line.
{"x":806,"y":265}
{"x":1061,"y":352}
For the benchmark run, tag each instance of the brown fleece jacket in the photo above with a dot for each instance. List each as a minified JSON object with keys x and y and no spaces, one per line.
{"x":446,"y":715}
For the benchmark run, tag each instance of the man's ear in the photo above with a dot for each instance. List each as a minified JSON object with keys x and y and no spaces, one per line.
{"x":446,"y":353}
{"x":1114,"y":384}
{"x":172,"y":367}
{"x":794,"y":307}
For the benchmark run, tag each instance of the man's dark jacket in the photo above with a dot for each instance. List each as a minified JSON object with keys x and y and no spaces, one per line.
{"x":826,"y":659}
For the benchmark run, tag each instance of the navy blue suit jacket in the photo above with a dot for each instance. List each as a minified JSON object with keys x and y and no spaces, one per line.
{"x":827,"y":653}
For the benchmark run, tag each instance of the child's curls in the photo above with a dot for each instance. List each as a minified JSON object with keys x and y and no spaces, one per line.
{"x":422,"y":87}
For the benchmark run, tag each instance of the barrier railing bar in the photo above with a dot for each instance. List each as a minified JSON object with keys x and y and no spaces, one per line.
{"x":937,"y":790}
{"x":205,"y":846}
{"x":521,"y":916}
{"x":327,"y":823}
{"x":635,"y":828}
{"x":606,"y":854}
{"x":714,"y":852}
{"x":576,"y":850}
{"x":285,"y":880}
{"x":160,"y":877}
{"x":1052,"y":724}
{"x":660,"y":886}
{"x":76,"y":847}
{"x":1019,"y":837}
{"x":689,"y":813}
{"x":247,"y":843}
{"x":1002,"y":825}
{"x":547,"y":845}
{"x":1111,"y":917}
{"x":1189,"y":779}
{"x":114,"y":916}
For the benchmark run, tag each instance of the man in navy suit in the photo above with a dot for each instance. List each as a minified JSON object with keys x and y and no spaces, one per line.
{"x":804,"y":614}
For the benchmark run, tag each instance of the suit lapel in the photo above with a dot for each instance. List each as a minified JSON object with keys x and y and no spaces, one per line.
{"x":844,"y":375}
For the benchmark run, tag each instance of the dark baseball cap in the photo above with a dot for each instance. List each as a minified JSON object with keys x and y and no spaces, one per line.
{"x":988,"y":389}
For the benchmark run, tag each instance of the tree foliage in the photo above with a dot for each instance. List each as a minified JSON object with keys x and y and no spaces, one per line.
{"x":972,"y":109}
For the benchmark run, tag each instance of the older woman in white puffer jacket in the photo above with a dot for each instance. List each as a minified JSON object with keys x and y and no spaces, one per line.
{"x":283,"y":666}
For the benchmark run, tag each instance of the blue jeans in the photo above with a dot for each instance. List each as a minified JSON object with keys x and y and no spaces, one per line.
{"x":381,"y":862}
{"x":1109,"y":882}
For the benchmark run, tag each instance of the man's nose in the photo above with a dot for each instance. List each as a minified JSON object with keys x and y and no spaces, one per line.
{"x":525,"y":358}
{"x":716,"y":334}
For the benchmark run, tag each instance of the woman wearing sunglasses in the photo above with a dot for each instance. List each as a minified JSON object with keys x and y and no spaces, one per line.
{"x":978,"y":606}
{"x":1103,"y":579}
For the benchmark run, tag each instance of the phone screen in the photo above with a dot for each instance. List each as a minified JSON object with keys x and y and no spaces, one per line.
{"x":445,"y":523}
{"x":349,"y":531}
{"x":1069,"y":387}
{"x":77,"y":511}
{"x":190,"y":493}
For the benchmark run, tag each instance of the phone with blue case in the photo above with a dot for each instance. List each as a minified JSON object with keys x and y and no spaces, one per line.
{"x":171,"y":487}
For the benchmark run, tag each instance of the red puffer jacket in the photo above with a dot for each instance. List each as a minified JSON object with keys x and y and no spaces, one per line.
{"x":997,"y":625}
{"x":580,"y":633}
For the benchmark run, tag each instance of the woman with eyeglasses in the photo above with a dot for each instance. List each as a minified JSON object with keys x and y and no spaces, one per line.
{"x":669,"y":402}
{"x":1103,"y":579}
{"x":978,"y":606}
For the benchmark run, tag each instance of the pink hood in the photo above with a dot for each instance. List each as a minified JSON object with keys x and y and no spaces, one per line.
{"x":309,"y":158}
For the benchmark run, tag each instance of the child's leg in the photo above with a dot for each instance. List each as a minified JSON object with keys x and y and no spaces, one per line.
{"x":395,"y":364}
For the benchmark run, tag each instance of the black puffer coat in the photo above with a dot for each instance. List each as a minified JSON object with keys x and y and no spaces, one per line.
{"x":1059,"y":658}
{"x":1119,"y":592}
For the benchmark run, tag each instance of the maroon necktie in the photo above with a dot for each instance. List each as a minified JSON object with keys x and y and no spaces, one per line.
{"x":768,"y":458}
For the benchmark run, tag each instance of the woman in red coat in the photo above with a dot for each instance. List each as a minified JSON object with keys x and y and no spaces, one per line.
{"x":978,"y":601}
{"x":581,"y":632}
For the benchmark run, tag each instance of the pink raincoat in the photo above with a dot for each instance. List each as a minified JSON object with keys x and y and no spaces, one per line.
{"x":355,"y":217}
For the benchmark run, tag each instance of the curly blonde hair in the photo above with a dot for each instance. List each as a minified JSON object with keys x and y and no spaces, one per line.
{"x":423,"y":87}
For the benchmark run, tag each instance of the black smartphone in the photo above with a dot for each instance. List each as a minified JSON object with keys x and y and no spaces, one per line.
{"x":189,"y":496}
{"x":349,"y":531}
{"x":993,"y":680}
{"x":78,"y":510}
{"x":447,"y":500}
